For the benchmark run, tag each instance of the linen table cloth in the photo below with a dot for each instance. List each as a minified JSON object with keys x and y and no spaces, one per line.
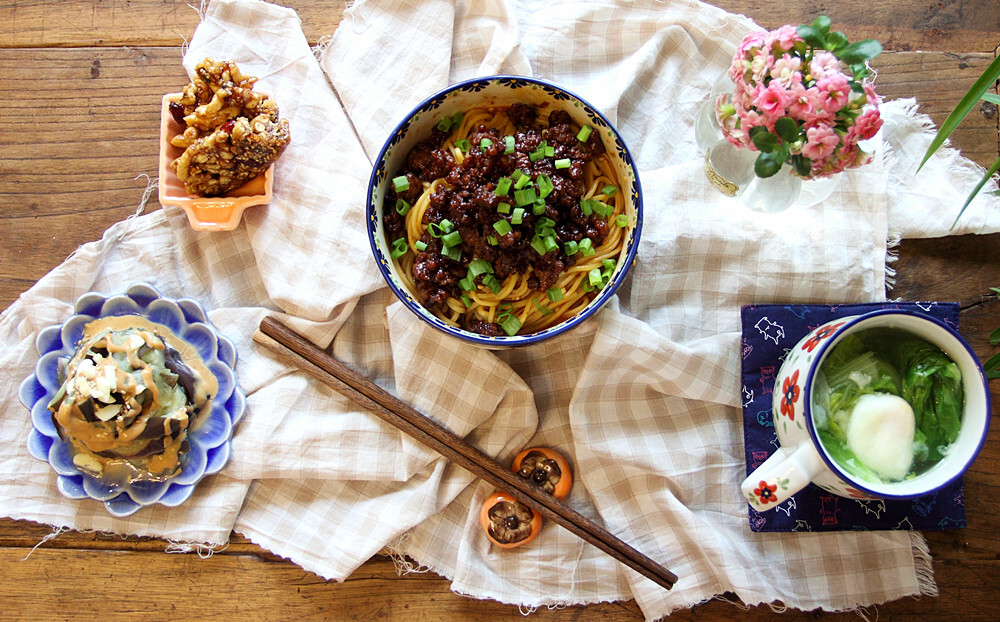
{"x":643,"y":399}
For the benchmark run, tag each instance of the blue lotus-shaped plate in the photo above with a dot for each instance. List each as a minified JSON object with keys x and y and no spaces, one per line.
{"x":210,"y":437}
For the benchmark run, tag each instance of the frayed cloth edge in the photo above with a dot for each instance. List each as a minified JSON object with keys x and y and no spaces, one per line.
{"x":923,"y":564}
{"x":204,"y":549}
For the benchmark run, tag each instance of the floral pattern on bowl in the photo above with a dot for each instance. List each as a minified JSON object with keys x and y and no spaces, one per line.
{"x":209,"y":440}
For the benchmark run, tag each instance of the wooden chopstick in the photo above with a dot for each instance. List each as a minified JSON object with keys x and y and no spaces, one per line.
{"x":297,"y":350}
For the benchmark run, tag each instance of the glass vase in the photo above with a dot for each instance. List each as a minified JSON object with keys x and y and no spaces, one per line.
{"x":730,"y":168}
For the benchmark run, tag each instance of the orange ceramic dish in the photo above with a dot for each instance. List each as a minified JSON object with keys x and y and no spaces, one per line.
{"x":507,"y":522}
{"x":545,"y":468}
{"x":205,"y":213}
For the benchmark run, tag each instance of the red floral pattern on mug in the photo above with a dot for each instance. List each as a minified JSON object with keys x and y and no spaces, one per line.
{"x":765,"y":493}
{"x":790,"y":395}
{"x":820,"y":335}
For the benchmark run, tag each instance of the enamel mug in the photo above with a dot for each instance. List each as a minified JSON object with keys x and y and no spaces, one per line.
{"x":801,"y":459}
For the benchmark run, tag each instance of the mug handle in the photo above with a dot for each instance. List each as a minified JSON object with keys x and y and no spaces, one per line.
{"x":781,"y":476}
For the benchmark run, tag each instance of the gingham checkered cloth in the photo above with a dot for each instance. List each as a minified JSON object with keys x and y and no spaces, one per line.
{"x":643,"y":399}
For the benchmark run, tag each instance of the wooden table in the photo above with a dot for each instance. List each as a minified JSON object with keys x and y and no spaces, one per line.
{"x":81,"y":82}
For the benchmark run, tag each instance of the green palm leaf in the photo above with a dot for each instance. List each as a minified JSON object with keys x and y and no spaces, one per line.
{"x":963,"y":108}
{"x":982,"y":182}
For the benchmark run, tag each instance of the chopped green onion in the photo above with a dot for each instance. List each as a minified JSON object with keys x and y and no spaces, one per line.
{"x":492,"y":239}
{"x":584,"y":133}
{"x":452,"y":239}
{"x":467,"y":284}
{"x":463,"y":145}
{"x":550,"y":243}
{"x":485,"y":144}
{"x":517,"y":174}
{"x":586,"y":286}
{"x":538,"y":243}
{"x":511,"y":325}
{"x":503,"y":187}
{"x":508,"y":142}
{"x":538,"y":208}
{"x":466,"y":300}
{"x":524,"y":197}
{"x":555,"y":294}
{"x":420,"y":245}
{"x":586,"y":247}
{"x":481,"y":266}
{"x":541,"y":308}
{"x":401,"y":183}
{"x":503,"y":207}
{"x":621,"y":220}
{"x":545,"y":186}
{"x":434,"y":229}
{"x":446,"y":226}
{"x":456,"y":119}
{"x":601,"y":209}
{"x":539,"y":152}
{"x":609,"y":190}
{"x":518,"y":216}
{"x":586,"y":207}
{"x":444,"y":124}
{"x":502,"y":227}
{"x":570,"y":248}
{"x":562,"y":163}
{"x":594,"y":277}
{"x":550,"y":151}
{"x":609,"y":265}
{"x":452,"y":252}
{"x":545,"y":226}
{"x":402,"y":207}
{"x":491,"y":282}
{"x":398,"y":248}
{"x":521,"y":182}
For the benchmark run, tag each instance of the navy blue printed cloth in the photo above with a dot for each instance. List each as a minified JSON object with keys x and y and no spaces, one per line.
{"x":769,"y":331}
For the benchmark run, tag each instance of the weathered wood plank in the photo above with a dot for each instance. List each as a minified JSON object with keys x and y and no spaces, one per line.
{"x":126,"y":585}
{"x":901,"y":25}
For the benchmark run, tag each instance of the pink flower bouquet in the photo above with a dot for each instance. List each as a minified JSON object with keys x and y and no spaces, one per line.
{"x":803,"y":96}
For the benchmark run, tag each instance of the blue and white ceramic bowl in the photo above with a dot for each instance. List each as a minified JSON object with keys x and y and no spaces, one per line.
{"x":498,"y":91}
{"x":209,"y":439}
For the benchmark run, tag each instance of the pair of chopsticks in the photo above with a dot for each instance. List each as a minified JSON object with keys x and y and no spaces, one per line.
{"x":300,"y":352}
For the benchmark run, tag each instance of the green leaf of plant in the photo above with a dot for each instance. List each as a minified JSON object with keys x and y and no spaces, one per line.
{"x":835,"y":41}
{"x":766,"y":165}
{"x":991,"y":97}
{"x":788,"y":129}
{"x":982,"y":182}
{"x":765,"y":141}
{"x":811,"y":36}
{"x":801,"y":164}
{"x":996,"y":290}
{"x":860,"y":51}
{"x":992,"y":364}
{"x":963,"y":108}
{"x":822,"y":24}
{"x":995,"y":337}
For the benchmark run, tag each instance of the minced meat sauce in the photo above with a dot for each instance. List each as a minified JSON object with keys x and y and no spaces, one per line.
{"x":469,"y":202}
